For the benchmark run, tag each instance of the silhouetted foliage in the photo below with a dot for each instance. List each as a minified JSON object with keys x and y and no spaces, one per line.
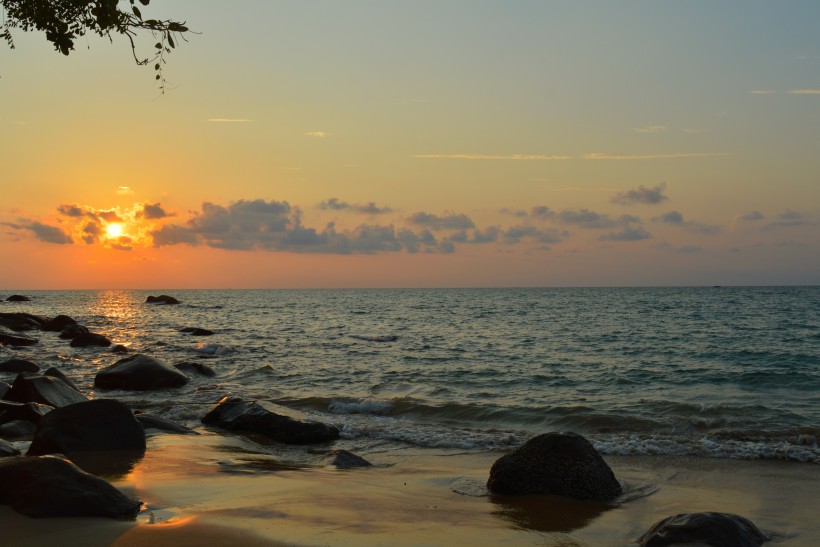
{"x":63,"y":21}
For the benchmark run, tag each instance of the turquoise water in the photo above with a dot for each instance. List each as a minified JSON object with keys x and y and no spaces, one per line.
{"x":713,"y":372}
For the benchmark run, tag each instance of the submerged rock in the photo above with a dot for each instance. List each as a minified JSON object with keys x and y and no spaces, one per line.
{"x":562,"y":464}
{"x":139,"y":372}
{"x":119,"y":348}
{"x":194,"y":331}
{"x":54,"y":487}
{"x":47,"y":390}
{"x":18,"y":365}
{"x":385,"y":338}
{"x":161,"y":299}
{"x":73,"y":331}
{"x":155,"y":422}
{"x":18,"y":298}
{"x":717,"y":529}
{"x":90,"y":339}
{"x":8,"y":339}
{"x":273,"y":421}
{"x":342,"y":459}
{"x":59,"y":323}
{"x":189,"y":367}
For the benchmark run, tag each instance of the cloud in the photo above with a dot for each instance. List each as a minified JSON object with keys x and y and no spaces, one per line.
{"x":445,"y":222}
{"x":592,"y":220}
{"x":277,"y":226}
{"x":317,"y":134}
{"x":124,"y":191}
{"x":76,"y":211}
{"x":518,"y":157}
{"x":628,"y":233}
{"x":92,"y":231}
{"x":647,"y":196}
{"x":751,"y":216}
{"x":651,"y":129}
{"x":542,"y":212}
{"x":228,"y":120}
{"x":334,"y":204}
{"x":43,"y":232}
{"x":515,"y":234}
{"x":153,"y":212}
{"x":788,"y":214}
{"x":676,"y":218}
{"x":788,"y":219}
{"x":671,"y":155}
{"x":804,"y":92}
{"x":763,"y":92}
{"x":490,"y":234}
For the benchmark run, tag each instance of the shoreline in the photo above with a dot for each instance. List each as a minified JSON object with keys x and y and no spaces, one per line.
{"x":225,"y":490}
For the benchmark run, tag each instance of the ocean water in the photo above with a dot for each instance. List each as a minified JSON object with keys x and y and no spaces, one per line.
{"x":711,"y":372}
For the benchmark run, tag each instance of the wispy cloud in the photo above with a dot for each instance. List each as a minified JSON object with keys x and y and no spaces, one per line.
{"x":676,"y":218}
{"x":228,"y":120}
{"x":317,"y":134}
{"x":43,"y":232}
{"x":124,"y":191}
{"x":651,"y":129}
{"x":642,"y":194}
{"x":443,"y":222}
{"x":751,"y":216}
{"x":334,"y":204}
{"x":670,"y":155}
{"x":763,"y":92}
{"x":804,"y":92}
{"x":628,"y":233}
{"x":515,"y":157}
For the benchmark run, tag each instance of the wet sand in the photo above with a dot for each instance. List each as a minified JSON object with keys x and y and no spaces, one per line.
{"x":214,"y":490}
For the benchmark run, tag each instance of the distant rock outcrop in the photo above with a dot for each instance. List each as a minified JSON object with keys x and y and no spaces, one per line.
{"x":562,"y":464}
{"x":54,"y":487}
{"x":139,"y":372}
{"x":273,"y":421}
{"x":161,"y":299}
{"x":704,"y":528}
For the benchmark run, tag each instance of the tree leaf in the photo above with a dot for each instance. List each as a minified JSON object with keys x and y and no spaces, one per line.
{"x":136,"y":11}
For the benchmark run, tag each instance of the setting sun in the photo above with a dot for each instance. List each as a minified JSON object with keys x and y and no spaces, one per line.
{"x":114,"y":230}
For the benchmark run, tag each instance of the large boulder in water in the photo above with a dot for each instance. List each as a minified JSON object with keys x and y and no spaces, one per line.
{"x":20,"y":321}
{"x":18,"y":365}
{"x":562,"y":464}
{"x":69,"y":332}
{"x":30,"y":412}
{"x":717,"y":529}
{"x":161,"y":424}
{"x":90,"y":339}
{"x":277,"y":423}
{"x":18,"y":298}
{"x":46,"y":390}
{"x":139,"y":372}
{"x":161,"y":299}
{"x":8,"y":339}
{"x":54,"y":487}
{"x":58,"y":323}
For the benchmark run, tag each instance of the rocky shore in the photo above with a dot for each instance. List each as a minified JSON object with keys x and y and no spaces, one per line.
{"x":62,"y":449}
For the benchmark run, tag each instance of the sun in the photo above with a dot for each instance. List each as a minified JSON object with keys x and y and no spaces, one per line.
{"x":114,"y":229}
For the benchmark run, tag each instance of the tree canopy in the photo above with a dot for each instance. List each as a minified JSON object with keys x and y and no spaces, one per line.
{"x":63,"y":21}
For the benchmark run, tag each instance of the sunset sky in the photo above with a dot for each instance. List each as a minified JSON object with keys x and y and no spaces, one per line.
{"x":420,"y":144}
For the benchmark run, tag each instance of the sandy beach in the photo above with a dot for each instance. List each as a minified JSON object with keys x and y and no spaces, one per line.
{"x":219,"y":490}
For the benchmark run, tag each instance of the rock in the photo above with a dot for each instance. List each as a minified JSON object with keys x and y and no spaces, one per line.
{"x":59,"y":323}
{"x":54,"y":487}
{"x":101,"y":424}
{"x":18,"y":365}
{"x":18,"y":430}
{"x":43,"y":389}
{"x":90,"y":339}
{"x":161,"y":299}
{"x":385,"y":338}
{"x":119,"y":348}
{"x":8,"y":339}
{"x":343,"y":459}
{"x":55,"y":373}
{"x":562,"y":464}
{"x":193,"y":331}
{"x":4,"y":388}
{"x":189,"y":367}
{"x":18,"y":298}
{"x":7,"y":449}
{"x":19,"y":321}
{"x":139,"y":372}
{"x":72,"y":331}
{"x":155,"y":422}
{"x":716,"y":529}
{"x":30,"y":412}
{"x":273,"y":421}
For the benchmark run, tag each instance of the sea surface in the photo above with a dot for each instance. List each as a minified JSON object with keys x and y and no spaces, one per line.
{"x":711,"y":372}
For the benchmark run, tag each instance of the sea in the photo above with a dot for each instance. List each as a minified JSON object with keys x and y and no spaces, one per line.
{"x":713,"y":372}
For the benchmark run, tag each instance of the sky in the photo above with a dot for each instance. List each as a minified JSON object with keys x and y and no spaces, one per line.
{"x":464,"y":143}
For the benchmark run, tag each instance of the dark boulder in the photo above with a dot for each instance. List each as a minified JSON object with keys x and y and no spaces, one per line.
{"x":18,"y":298}
{"x":56,"y":373}
{"x":4,"y":388}
{"x":73,"y":331}
{"x":119,"y":348}
{"x":717,"y":529}
{"x":139,"y":372}
{"x":155,"y":422}
{"x":43,"y":389}
{"x":30,"y":412}
{"x":59,"y":323}
{"x":20,"y":321}
{"x":90,"y":339}
{"x":7,"y":449}
{"x":194,"y":331}
{"x":18,"y":365}
{"x":342,"y":459}
{"x":189,"y":367}
{"x":273,"y":421}
{"x":8,"y":339}
{"x":100,"y":424}
{"x":562,"y":464}
{"x":54,"y":487}
{"x":18,"y":430}
{"x":161,"y":299}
